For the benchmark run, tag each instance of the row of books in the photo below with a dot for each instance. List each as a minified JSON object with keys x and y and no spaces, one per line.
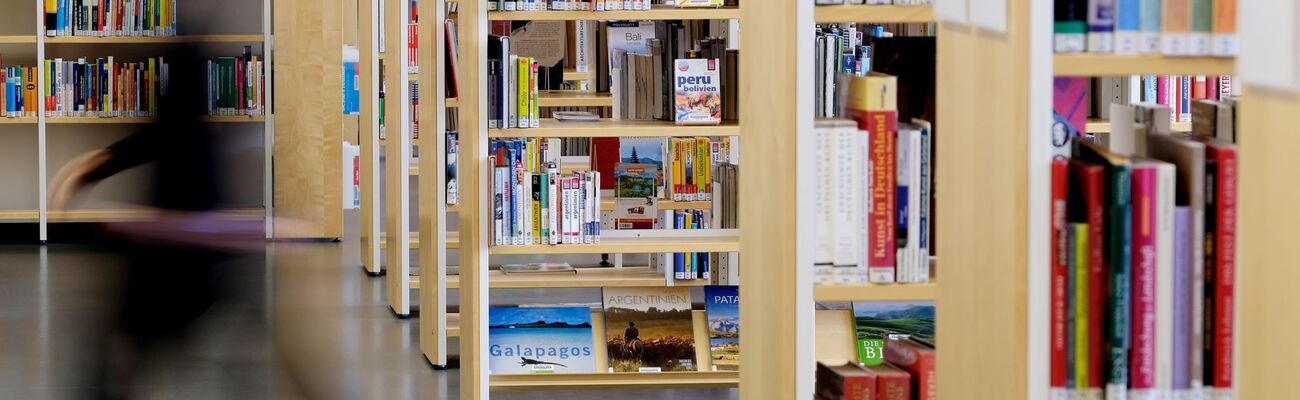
{"x":18,"y":95}
{"x":1179,"y":93}
{"x":1169,"y":27}
{"x":513,"y":100}
{"x":678,"y":169}
{"x":237,"y":85}
{"x":110,"y":18}
{"x":873,"y":191}
{"x":1144,"y":262}
{"x":594,"y":5}
{"x":847,"y":50}
{"x":895,"y":355}
{"x":874,"y":2}
{"x":647,"y":329}
{"x":104,"y":87}
{"x":533,"y":203}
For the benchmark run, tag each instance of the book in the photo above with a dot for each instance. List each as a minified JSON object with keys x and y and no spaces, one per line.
{"x":649,"y":329}
{"x":1079,"y":256}
{"x":1069,"y":112}
{"x":635,"y":180}
{"x":1118,"y":253}
{"x":892,"y":383}
{"x":1150,"y":14}
{"x":722,"y":307}
{"x":1101,"y":26}
{"x":1070,"y":26}
{"x":918,"y":359}
{"x":1220,"y":264}
{"x":1175,"y":37}
{"x":542,"y":340}
{"x":872,"y":102}
{"x":875,"y":321}
{"x":1060,"y":269}
{"x":1223,"y":39}
{"x":538,"y":268}
{"x":1181,"y":297}
{"x":697,"y":93}
{"x":1142,"y":354}
{"x":644,"y":150}
{"x":1128,"y":26}
{"x":846,"y":381}
{"x":1198,"y":43}
{"x":635,"y":213}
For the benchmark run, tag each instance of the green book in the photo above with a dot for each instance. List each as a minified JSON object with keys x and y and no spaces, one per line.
{"x":1118,"y":251}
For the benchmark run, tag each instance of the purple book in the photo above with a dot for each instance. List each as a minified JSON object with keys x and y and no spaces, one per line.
{"x":1182,"y":367}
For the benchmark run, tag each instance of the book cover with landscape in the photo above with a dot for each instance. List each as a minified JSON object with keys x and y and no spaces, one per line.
{"x":649,"y":329}
{"x":540,"y":340}
{"x":876,"y":320}
{"x":722,"y":305}
{"x":645,"y":152}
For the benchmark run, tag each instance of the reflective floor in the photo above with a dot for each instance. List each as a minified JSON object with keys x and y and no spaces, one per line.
{"x":303,"y":321}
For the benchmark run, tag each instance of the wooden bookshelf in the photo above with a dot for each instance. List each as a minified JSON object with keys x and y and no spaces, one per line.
{"x":563,"y":98}
{"x":19,"y":215}
{"x":594,"y":277}
{"x":241,"y":38}
{"x":617,"y":128}
{"x":453,"y":240}
{"x":617,"y":380}
{"x":1103,"y":126}
{"x":17,"y":39}
{"x":629,"y":245}
{"x":873,"y":14}
{"x":1089,"y":64}
{"x":877,"y":292}
{"x":18,"y":120}
{"x":119,"y":215}
{"x":146,"y":120}
{"x":656,"y":13}
{"x":572,"y":74}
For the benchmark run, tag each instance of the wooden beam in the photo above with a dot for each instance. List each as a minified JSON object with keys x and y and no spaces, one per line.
{"x":368,"y":130}
{"x":472,"y":160}
{"x":397,"y":185}
{"x":432,"y":187}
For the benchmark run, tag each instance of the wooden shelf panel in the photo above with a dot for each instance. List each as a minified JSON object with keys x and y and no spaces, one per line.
{"x":617,"y":380}
{"x":116,"y":215}
{"x":585,"y":278}
{"x":250,"y":38}
{"x":20,"y":215}
{"x":873,"y":14}
{"x":617,"y":128}
{"x":877,"y":292}
{"x":17,"y":39}
{"x":146,"y":120}
{"x":629,"y":245}
{"x":1103,"y":126}
{"x":656,"y":13}
{"x":563,"y":98}
{"x":453,"y":240}
{"x":18,"y":120}
{"x":572,"y":74}
{"x":1087,"y":64}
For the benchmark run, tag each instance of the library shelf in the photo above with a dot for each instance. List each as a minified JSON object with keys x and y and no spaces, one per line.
{"x":117,"y":215}
{"x":629,"y":245}
{"x":17,"y":120}
{"x":20,"y":215}
{"x":1103,"y":126}
{"x":1086,"y":64}
{"x":591,"y":277}
{"x":655,"y":13}
{"x":617,"y":380}
{"x":563,"y":98}
{"x":453,"y":324}
{"x":146,"y":120}
{"x":248,"y":38}
{"x":877,"y":292}
{"x":453,"y":240}
{"x":17,"y":39}
{"x":572,"y":74}
{"x":873,"y":14}
{"x":551,"y":128}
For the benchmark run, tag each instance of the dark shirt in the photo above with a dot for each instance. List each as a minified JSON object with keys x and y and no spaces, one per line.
{"x":631,"y":334}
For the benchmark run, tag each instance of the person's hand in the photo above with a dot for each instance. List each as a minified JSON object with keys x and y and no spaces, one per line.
{"x":72,"y":177}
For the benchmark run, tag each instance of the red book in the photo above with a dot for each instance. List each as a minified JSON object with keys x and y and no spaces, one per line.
{"x":1198,"y":87}
{"x":452,"y":64}
{"x":892,"y":383}
{"x":847,"y":382}
{"x":882,"y":127}
{"x":1086,"y":204}
{"x":1222,"y":252}
{"x":1142,"y":326}
{"x":1060,"y":177}
{"x":604,"y":157}
{"x":917,"y":359}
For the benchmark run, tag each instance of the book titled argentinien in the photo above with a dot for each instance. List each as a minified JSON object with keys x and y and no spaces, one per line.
{"x":524,"y":340}
{"x":698,"y":93}
{"x":722,"y":306}
{"x":649,"y":329}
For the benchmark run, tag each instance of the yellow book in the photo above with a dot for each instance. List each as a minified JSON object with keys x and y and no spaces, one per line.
{"x":703,"y":163}
{"x":522,"y":69}
{"x":679,"y":171}
{"x":874,"y":92}
{"x":1080,"y":294}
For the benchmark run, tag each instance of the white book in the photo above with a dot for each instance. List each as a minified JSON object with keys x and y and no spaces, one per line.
{"x":526,"y":200}
{"x":823,"y":195}
{"x":591,"y":215}
{"x":496,"y":203}
{"x":553,"y":236}
{"x":582,"y":43}
{"x":511,"y":95}
{"x":923,"y":262}
{"x":1165,"y":178}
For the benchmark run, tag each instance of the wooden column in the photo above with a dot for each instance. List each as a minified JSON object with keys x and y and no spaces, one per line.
{"x":397,"y":157}
{"x":308,"y":135}
{"x":1267,"y":271}
{"x":474,"y":213}
{"x":776,"y":110}
{"x":368,"y":130}
{"x":433,"y":188}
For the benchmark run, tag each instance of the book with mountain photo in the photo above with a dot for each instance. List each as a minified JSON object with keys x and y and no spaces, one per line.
{"x":540,"y":340}
{"x":722,"y":306}
{"x":649,"y":329}
{"x":876,"y":320}
{"x":639,"y":159}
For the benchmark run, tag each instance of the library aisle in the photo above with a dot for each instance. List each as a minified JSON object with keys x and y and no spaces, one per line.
{"x":336,"y":339}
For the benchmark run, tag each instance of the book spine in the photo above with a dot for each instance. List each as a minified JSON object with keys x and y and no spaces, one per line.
{"x":1101,"y":26}
{"x":1060,"y":176}
{"x":1184,"y":98}
{"x":1177,"y":23}
{"x":894,"y":386}
{"x":1224,"y":265}
{"x":556,"y":209}
{"x":1128,"y":26}
{"x":1208,"y":276}
{"x":1142,"y":354}
{"x":536,"y":207}
{"x":1119,"y":242}
{"x":1164,"y":277}
{"x":860,"y":387}
{"x":1080,"y":254}
{"x":1223,"y":41}
{"x":881,"y":244}
{"x":1149,"y":40}
{"x":1181,"y":298}
{"x":1202,"y":24}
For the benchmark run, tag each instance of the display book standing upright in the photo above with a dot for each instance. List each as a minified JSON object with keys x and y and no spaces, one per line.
{"x":476,"y":211}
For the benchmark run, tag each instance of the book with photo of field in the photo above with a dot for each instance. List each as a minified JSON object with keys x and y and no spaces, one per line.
{"x":649,"y":329}
{"x":722,"y":306}
{"x":876,"y":320}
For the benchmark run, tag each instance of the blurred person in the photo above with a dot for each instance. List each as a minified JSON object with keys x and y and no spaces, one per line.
{"x":174,"y":256}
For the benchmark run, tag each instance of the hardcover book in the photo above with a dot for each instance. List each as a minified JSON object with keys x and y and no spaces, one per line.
{"x":1118,"y":253}
{"x":642,"y":150}
{"x":635,"y":180}
{"x":540,"y":340}
{"x":917,"y":358}
{"x":649,"y":329}
{"x":892,"y":383}
{"x":722,"y":306}
{"x":846,"y":382}
{"x":875,"y":321}
{"x":697,"y":92}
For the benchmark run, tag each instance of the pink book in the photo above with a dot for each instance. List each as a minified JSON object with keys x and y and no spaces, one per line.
{"x":1142,"y":354}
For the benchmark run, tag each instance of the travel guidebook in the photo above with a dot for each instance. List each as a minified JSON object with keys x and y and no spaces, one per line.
{"x":639,"y":155}
{"x":876,"y":320}
{"x":649,"y":329}
{"x":540,"y":340}
{"x":722,"y":305}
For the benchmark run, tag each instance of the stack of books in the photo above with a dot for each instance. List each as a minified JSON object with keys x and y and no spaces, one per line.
{"x":1168,"y":27}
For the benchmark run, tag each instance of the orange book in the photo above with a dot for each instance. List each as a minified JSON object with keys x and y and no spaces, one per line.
{"x":1223,"y":40}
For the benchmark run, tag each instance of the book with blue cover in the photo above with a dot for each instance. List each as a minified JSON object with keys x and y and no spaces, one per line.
{"x":542,"y":340}
{"x":722,"y":307}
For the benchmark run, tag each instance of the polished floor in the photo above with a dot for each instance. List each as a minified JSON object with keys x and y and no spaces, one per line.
{"x":302,"y":321}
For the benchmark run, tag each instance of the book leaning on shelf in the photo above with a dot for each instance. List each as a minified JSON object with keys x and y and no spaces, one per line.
{"x":1168,"y":27}
{"x":110,"y":17}
{"x":237,"y":85}
{"x":18,"y":95}
{"x":533,"y":203}
{"x":1143,"y":260}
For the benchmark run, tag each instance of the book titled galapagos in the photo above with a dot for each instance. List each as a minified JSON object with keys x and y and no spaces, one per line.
{"x":698,"y":99}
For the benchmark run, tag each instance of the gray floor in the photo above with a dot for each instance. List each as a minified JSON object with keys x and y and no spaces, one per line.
{"x":302,"y":322}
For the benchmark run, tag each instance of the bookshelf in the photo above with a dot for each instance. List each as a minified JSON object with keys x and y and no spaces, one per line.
{"x":873,"y":14}
{"x":656,"y":13}
{"x":23,"y":41}
{"x":877,"y":292}
{"x":1085,"y":64}
{"x":1103,"y":126}
{"x":564,"y":98}
{"x":617,"y":128}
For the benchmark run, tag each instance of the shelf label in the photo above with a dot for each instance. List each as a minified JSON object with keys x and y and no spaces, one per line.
{"x":650,"y":369}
